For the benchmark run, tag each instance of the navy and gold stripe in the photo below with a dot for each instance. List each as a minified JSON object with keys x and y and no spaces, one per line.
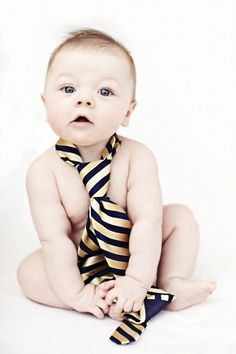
{"x":103,"y":252}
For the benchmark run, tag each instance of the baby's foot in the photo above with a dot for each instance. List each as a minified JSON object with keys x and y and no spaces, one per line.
{"x":188,"y":292}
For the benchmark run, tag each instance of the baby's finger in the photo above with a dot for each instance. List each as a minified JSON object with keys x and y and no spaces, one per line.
{"x":137,"y":305}
{"x":128,"y":306}
{"x":112,"y":315}
{"x":119,"y":307}
{"x":97,"y":312}
{"x":102,"y":305}
{"x":107,"y":285}
{"x":112,"y":295}
{"x":100,"y":293}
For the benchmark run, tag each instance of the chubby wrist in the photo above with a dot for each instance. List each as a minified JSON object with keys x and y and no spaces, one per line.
{"x":80,"y":299}
{"x":143,"y":269}
{"x":139,"y":281}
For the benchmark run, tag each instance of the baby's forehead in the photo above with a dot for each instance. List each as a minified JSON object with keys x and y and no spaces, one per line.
{"x":68,"y":56}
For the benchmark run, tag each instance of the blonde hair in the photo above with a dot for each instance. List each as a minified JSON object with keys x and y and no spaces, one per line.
{"x":88,"y":38}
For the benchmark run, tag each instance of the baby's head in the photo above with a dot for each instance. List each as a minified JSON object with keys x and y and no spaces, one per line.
{"x":89,"y":88}
{"x":99,"y":41}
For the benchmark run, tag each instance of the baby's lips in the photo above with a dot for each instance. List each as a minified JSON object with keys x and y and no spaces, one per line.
{"x":82,"y":118}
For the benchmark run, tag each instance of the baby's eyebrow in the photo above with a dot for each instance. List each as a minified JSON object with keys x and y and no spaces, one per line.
{"x":103,"y":78}
{"x":109,"y":79}
{"x":64,"y":74}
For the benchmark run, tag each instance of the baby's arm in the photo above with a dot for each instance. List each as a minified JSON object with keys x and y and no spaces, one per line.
{"x":145,"y":211}
{"x":144,"y":204}
{"x":59,"y":253}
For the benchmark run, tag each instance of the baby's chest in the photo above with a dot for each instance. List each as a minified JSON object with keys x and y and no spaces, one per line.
{"x":75,"y":198}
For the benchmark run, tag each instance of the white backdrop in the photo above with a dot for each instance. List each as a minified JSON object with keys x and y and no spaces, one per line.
{"x":185,"y":57}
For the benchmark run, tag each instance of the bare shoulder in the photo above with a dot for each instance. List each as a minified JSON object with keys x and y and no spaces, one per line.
{"x":41,"y":167}
{"x":48,"y":213}
{"x":137,"y":150}
{"x":142,"y":165}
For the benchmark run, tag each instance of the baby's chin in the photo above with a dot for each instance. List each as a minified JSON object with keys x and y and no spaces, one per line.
{"x":86,"y":138}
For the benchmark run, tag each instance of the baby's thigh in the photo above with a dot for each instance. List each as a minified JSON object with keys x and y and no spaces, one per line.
{"x":33,"y":280}
{"x":31,"y":273}
{"x":30,"y":267}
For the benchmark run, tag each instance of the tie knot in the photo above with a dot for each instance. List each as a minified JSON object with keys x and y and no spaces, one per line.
{"x":94,"y":174}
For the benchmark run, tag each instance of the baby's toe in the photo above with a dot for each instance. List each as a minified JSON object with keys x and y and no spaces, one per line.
{"x":211,"y":286}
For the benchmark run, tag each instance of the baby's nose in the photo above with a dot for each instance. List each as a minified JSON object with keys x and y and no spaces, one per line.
{"x":86,"y":100}
{"x":88,"y":103}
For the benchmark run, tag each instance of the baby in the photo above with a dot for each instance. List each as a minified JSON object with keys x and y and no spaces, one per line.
{"x":89,"y":93}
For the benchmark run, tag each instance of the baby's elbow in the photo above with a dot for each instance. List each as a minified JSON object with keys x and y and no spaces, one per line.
{"x":60,"y":243}
{"x":151,"y":220}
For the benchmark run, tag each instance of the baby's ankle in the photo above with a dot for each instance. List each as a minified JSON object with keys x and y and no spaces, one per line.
{"x":168,"y":283}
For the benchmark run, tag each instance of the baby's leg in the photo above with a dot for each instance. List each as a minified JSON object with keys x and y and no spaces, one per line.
{"x":178,"y":258}
{"x":33,"y":281}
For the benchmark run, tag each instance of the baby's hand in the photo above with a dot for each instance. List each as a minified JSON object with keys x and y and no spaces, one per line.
{"x":91,"y":299}
{"x":107,"y":285}
{"x":128,"y":294}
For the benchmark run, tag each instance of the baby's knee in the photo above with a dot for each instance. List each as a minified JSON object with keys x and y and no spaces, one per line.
{"x":186,"y":216}
{"x":181,"y":214}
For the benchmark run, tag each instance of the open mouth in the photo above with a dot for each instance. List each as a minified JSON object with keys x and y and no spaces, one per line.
{"x":81,"y":119}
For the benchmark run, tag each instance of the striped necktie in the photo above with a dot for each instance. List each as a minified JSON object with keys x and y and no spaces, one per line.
{"x":103,"y":252}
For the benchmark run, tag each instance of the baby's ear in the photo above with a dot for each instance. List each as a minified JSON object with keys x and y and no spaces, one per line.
{"x":43,"y":98}
{"x":132,"y":106}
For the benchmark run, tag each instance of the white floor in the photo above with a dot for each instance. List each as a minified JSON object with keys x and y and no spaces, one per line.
{"x":30,"y":328}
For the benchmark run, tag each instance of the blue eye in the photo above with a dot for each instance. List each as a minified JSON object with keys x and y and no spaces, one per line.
{"x":68,"y":89}
{"x":105,"y":92}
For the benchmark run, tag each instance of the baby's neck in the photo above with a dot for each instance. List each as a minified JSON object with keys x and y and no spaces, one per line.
{"x":92,"y":152}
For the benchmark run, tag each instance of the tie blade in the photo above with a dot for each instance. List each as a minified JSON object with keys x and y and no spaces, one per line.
{"x":134,"y":323}
{"x":154,"y":305}
{"x":127,"y":332}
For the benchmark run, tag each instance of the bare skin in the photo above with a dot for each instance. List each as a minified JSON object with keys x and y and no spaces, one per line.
{"x":98,"y":86}
{"x":180,"y":240}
